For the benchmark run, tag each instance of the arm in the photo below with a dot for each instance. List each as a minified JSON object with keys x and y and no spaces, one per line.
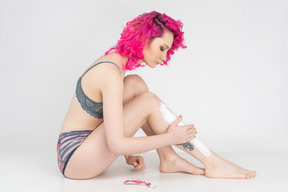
{"x":112,"y":93}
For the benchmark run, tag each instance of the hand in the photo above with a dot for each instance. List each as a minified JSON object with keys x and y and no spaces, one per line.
{"x":181,"y":134}
{"x":136,"y":161}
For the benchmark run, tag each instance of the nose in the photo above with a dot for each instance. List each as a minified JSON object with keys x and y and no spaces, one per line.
{"x":164,"y":57}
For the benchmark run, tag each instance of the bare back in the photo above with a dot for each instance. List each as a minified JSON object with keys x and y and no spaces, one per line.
{"x":77,"y":118}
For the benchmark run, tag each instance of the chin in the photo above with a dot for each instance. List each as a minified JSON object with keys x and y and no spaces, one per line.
{"x":151,"y":65}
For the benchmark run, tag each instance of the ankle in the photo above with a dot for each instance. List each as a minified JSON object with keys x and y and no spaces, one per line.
{"x":211,"y":161}
{"x":166,"y":154}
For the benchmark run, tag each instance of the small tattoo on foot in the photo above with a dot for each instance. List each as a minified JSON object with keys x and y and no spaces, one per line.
{"x":187,"y":145}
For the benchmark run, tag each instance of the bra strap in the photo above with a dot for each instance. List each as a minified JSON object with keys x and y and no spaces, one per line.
{"x":100,"y":63}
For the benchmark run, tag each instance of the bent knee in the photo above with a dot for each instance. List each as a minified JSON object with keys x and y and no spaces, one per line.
{"x":133,"y":77}
{"x":151,"y":99}
{"x":136,"y":83}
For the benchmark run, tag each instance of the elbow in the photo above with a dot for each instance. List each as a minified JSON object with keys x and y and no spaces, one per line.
{"x":117,"y":148}
{"x":118,"y":151}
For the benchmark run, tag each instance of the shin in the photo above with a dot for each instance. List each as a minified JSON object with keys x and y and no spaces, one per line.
{"x":170,"y":117}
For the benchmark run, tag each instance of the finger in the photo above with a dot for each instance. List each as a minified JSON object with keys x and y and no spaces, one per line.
{"x":141,"y":162}
{"x":135,"y":163}
{"x":140,"y":166}
{"x":192,"y":136}
{"x":187,"y":126}
{"x":178,"y":120}
{"x":191,"y":125}
{"x":192,"y":130}
{"x":193,"y":133}
{"x":131,"y":160}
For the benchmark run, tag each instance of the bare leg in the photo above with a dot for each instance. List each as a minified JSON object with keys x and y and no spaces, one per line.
{"x":170,"y":161}
{"x":216,"y":167}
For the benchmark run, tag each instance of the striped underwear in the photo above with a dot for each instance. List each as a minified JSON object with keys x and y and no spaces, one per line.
{"x":68,"y":142}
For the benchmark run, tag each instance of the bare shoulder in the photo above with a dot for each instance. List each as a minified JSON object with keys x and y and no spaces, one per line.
{"x":102,"y":70}
{"x":111,"y":75}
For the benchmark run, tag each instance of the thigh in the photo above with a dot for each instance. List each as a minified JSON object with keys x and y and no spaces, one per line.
{"x":134,"y":86}
{"x":94,"y":156}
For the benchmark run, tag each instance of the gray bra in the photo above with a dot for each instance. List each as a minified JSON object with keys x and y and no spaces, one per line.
{"x":93,"y":108}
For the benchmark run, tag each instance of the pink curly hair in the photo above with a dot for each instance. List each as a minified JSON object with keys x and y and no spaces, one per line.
{"x":140,"y":31}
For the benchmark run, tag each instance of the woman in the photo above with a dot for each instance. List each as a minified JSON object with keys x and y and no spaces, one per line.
{"x":109,"y":108}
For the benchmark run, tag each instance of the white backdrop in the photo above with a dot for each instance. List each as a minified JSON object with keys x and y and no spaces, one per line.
{"x":231,"y":81}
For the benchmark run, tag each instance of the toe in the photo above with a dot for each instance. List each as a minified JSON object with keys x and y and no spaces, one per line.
{"x":243,"y":176}
{"x":251,"y":175}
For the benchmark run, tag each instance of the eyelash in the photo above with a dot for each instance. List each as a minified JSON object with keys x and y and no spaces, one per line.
{"x":162,"y":48}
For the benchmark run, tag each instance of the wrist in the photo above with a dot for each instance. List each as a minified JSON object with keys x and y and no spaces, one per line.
{"x":169,"y":137}
{"x":126,"y":156}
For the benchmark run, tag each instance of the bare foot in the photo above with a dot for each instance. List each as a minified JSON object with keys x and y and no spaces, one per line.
{"x":221,"y":168}
{"x":177,"y":164}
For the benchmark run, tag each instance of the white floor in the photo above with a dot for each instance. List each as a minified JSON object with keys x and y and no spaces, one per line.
{"x":37,"y":172}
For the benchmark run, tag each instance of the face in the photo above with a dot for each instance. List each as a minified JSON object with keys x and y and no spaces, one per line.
{"x":156,"y":51}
